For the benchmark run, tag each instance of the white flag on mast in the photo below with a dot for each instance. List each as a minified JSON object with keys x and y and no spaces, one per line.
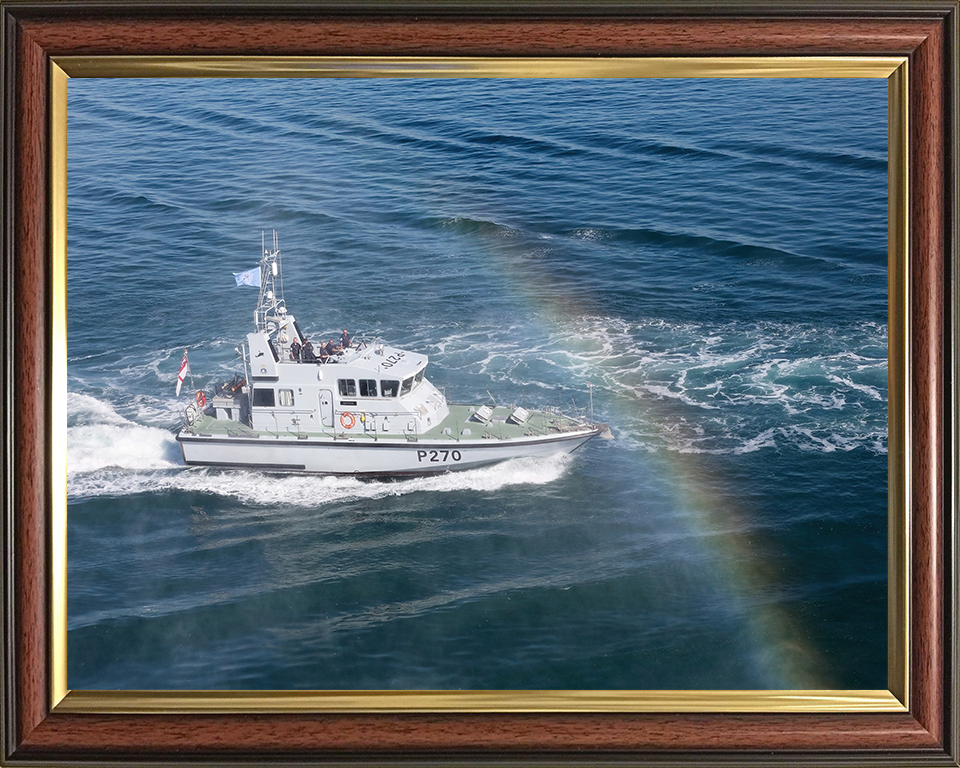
{"x":250,"y":277}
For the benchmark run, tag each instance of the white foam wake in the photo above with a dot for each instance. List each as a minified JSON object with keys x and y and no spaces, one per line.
{"x":260,"y":489}
{"x":98,"y":437}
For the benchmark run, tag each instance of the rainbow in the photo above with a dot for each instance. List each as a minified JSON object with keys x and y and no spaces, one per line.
{"x":740,"y":568}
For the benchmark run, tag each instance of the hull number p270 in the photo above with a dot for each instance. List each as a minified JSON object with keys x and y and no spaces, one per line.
{"x":438,"y":457}
{"x":391,"y":361}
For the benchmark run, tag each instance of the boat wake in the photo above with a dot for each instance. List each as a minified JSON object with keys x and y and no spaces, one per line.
{"x":99,"y":438}
{"x":711,"y":388}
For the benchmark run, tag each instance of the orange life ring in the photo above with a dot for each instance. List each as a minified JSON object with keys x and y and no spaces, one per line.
{"x":201,"y":399}
{"x":347,"y":420}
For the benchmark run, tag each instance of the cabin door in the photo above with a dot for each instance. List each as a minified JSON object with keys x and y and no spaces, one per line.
{"x":326,"y":407}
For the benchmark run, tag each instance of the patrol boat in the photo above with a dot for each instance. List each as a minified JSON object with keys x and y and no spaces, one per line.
{"x":366,"y":409}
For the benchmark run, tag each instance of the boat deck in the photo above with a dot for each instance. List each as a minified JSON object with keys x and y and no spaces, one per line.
{"x":461,"y":424}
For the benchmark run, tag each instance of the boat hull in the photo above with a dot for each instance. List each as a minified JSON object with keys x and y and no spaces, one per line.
{"x":345,"y":456}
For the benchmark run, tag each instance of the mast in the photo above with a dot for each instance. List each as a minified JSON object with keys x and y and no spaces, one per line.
{"x":271,"y":310}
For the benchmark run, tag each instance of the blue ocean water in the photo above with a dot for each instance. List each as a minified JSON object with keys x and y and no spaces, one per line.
{"x":702,"y":261}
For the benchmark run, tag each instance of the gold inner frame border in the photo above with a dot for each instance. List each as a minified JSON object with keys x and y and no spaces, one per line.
{"x":895,"y":699}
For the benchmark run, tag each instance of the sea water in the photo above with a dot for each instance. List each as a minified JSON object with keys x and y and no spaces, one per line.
{"x":700,"y":262}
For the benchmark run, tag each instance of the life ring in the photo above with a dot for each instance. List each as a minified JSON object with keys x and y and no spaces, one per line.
{"x":201,"y":399}
{"x":347,"y":420}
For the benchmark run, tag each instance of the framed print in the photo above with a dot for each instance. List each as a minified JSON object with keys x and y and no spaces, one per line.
{"x":63,"y":702}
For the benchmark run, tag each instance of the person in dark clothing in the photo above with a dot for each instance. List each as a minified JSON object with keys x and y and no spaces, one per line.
{"x":345,"y":340}
{"x":330,"y":348}
{"x":307,"y":354}
{"x":295,"y":350}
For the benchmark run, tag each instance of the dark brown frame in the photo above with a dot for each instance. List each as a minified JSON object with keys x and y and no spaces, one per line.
{"x":924,"y":31}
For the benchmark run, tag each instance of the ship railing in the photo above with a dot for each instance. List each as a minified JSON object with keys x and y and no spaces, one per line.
{"x":355,"y":348}
{"x":294,"y":427}
{"x":568,"y":419}
{"x":190,"y":415}
{"x":369,"y":420}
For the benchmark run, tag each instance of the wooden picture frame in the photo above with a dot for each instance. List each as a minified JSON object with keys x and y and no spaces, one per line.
{"x":38,"y":730}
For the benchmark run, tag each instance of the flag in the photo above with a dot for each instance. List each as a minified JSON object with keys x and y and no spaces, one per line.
{"x":184,"y":370}
{"x":250,"y":277}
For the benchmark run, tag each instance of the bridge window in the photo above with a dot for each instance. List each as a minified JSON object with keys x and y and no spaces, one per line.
{"x":389,"y":388}
{"x":368,"y":387}
{"x":264,"y":398}
{"x":286,"y":397}
{"x":407,"y":386}
{"x":348,"y":387}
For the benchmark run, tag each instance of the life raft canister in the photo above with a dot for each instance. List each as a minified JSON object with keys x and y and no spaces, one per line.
{"x":347,"y":420}
{"x":201,"y":399}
